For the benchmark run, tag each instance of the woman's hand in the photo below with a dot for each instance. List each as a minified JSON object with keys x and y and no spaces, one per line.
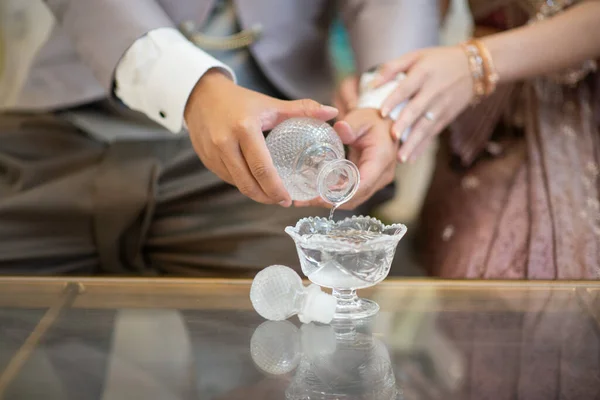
{"x":438,"y":85}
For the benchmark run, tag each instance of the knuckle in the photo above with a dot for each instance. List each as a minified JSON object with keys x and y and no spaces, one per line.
{"x":275,"y":194}
{"x":261,"y":171}
{"x":309,"y":105}
{"x":398,"y":95}
{"x":249,"y":190}
{"x":222,"y":142}
{"x":242,"y":126}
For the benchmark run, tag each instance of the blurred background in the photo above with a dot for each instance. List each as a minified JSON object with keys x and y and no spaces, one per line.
{"x":28,"y":24}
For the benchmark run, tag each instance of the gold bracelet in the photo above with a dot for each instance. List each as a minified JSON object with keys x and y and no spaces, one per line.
{"x":477,"y":71}
{"x":491,"y":75}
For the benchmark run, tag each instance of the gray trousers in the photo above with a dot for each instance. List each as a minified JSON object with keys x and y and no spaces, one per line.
{"x":70,"y":204}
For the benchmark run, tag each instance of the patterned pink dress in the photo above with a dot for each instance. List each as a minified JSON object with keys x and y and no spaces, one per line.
{"x":516,"y":190}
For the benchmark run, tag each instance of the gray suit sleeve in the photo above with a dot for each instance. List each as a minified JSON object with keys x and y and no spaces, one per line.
{"x":381,"y":30}
{"x":102,"y":30}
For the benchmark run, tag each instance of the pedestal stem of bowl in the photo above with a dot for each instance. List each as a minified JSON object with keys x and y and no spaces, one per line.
{"x":350,"y":306}
{"x":346,"y":298}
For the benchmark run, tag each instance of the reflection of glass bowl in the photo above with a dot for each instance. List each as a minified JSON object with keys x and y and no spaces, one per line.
{"x":352,"y":365}
{"x":345,"y":256}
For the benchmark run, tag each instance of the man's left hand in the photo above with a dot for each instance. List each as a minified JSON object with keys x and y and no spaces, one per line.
{"x":373,"y":151}
{"x":346,"y":96}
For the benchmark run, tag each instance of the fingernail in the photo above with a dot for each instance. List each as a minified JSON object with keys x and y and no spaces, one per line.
{"x":329,"y":109}
{"x":403,"y":158}
{"x":384,"y":112}
{"x":284,"y":203}
{"x":396,"y":134}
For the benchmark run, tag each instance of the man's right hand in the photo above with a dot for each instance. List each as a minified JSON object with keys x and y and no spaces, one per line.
{"x":226,"y":124}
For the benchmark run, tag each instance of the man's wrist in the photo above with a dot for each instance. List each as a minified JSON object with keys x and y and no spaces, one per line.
{"x":214,"y":78}
{"x":158,"y":74}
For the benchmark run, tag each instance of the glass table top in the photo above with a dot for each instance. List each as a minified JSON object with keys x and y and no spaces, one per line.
{"x":200,"y":339}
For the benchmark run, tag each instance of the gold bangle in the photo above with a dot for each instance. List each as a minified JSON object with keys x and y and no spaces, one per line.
{"x":477,"y":71}
{"x":491,"y":75}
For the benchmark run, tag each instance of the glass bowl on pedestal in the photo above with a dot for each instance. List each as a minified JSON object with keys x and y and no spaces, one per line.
{"x":345,"y":256}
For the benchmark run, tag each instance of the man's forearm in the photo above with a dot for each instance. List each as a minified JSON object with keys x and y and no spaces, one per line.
{"x":134,"y":45}
{"x":102,"y":30}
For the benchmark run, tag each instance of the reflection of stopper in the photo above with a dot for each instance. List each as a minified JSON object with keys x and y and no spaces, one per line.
{"x":275,"y":347}
{"x":338,"y":181}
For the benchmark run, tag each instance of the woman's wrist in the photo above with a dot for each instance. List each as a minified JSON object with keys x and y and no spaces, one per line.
{"x":497,"y":52}
{"x":548,"y":46}
{"x":482,"y":69}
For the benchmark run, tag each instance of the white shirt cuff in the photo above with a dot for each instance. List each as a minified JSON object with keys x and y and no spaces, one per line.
{"x":158,"y":73}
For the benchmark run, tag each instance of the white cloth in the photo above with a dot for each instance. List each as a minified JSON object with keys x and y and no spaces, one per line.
{"x":158,"y":73}
{"x":374,"y":98}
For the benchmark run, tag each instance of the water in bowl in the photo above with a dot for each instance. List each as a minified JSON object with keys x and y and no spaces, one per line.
{"x":333,"y":267}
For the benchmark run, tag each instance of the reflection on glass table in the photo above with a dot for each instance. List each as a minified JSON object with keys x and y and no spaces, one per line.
{"x":334,"y":362}
{"x":200,"y":339}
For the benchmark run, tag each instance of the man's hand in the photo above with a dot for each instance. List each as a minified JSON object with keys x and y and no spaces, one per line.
{"x":226,"y":124}
{"x":373,"y":151}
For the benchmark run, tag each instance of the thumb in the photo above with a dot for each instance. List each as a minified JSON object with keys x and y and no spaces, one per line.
{"x":351,"y":129}
{"x":348,"y":92}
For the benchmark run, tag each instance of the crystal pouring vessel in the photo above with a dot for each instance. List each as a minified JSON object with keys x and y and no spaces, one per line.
{"x":347,"y":255}
{"x":309,"y":157}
